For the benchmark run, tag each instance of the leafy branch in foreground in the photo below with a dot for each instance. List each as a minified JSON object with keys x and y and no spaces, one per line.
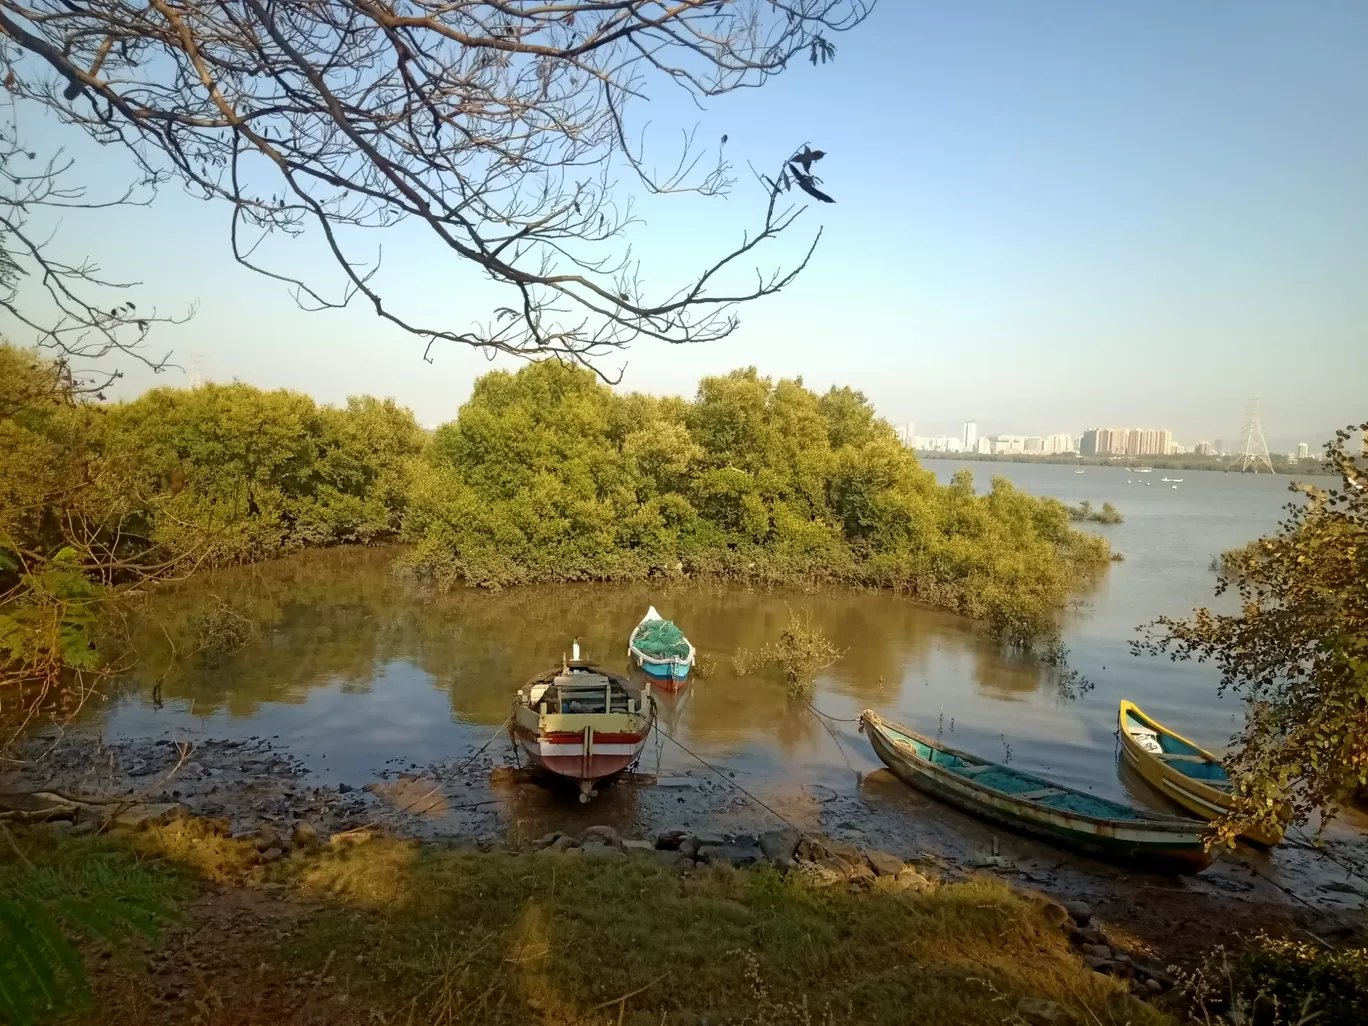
{"x":1297,"y":651}
{"x":47,"y":908}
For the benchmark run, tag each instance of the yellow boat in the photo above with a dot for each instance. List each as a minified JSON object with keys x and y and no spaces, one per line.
{"x":1181,"y":770}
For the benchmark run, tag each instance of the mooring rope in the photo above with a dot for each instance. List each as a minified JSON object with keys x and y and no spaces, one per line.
{"x":688,"y":751}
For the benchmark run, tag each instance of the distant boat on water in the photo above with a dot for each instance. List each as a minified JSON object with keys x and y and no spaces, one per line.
{"x":1079,"y":471}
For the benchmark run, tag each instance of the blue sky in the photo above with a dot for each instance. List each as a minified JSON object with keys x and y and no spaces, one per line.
{"x":1050,"y":216}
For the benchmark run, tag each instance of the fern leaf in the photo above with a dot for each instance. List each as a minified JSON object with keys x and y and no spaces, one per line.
{"x":27,"y":953}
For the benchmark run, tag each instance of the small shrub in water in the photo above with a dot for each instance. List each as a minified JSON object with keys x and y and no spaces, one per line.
{"x":221,"y":630}
{"x":802,"y":652}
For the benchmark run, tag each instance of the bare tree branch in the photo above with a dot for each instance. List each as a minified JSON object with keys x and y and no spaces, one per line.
{"x":497,"y":124}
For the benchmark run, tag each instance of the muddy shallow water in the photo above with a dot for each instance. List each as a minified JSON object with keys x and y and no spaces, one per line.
{"x":362,"y":674}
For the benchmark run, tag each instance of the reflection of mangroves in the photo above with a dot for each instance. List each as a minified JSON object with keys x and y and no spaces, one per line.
{"x":338,"y":617}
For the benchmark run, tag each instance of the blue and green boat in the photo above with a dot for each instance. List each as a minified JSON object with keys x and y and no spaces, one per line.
{"x":661,"y":650}
{"x":1038,"y":807}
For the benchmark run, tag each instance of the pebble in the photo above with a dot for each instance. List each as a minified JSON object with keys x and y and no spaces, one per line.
{"x":1081,"y":912}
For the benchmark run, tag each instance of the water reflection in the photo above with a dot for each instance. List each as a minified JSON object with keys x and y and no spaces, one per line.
{"x":348,"y":653}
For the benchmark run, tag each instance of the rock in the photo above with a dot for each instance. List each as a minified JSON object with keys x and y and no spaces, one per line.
{"x":884,"y":864}
{"x":1153,"y":986}
{"x":779,"y":846}
{"x":820,"y":875}
{"x":1057,"y":916}
{"x":60,"y":827}
{"x":545,"y":841}
{"x":910,"y":879}
{"x":266,"y":837}
{"x":730,"y":854}
{"x":272,"y":855}
{"x":631,"y":846}
{"x":707,"y":838}
{"x":304,"y":835}
{"x":810,"y":849}
{"x":606,"y":834}
{"x":216,"y":826}
{"x":1080,"y":911}
{"x":668,"y":859}
{"x":597,"y":850}
{"x":1097,"y":950}
{"x":345,"y":789}
{"x":141,"y":817}
{"x":1039,"y":1012}
{"x":670,"y":840}
{"x":841,"y":850}
{"x":832,"y":864}
{"x":1100,"y":965}
{"x":1090,"y":935}
{"x":562,"y":843}
{"x":861,"y":876}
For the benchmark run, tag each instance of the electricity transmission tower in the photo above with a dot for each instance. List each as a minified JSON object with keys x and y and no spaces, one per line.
{"x":1253,"y":449}
{"x":197,"y":371}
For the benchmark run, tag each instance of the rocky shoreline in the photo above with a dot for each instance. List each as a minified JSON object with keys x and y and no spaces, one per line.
{"x":254,"y":788}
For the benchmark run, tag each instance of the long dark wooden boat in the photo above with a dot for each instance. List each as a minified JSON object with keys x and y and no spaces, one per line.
{"x":582,"y":722}
{"x":1033,"y":805}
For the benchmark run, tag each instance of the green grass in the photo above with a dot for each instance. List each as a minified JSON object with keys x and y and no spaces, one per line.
{"x":448,"y":937}
{"x":419,"y":934}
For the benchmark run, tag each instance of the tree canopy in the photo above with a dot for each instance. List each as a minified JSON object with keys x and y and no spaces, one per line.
{"x":548,"y":475}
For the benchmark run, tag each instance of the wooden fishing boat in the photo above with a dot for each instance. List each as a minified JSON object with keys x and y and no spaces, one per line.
{"x":1036,"y":806}
{"x":1182,"y":771}
{"x":582,"y":722}
{"x":668,"y":669}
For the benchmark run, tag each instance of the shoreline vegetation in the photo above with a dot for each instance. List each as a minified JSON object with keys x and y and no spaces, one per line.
{"x":546,"y":475}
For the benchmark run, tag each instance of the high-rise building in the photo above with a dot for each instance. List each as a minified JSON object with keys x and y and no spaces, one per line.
{"x":1303,"y":450}
{"x":1216,"y":449}
{"x":910,"y":438}
{"x":985,"y":446}
{"x":1202,"y":449}
{"x":970,"y":436}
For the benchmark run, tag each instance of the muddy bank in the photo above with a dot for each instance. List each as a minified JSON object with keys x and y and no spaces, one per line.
{"x":485,"y":801}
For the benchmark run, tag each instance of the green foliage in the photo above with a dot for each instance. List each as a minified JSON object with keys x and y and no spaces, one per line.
{"x":1279,"y":982}
{"x":50,"y":904}
{"x":548,"y":475}
{"x":1297,"y":650}
{"x":220,"y":630}
{"x":96,"y":500}
{"x":801,"y":652}
{"x":1108,"y":514}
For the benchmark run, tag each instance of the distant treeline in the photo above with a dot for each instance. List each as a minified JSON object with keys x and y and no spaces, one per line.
{"x":1188,"y":461}
{"x":545,"y":475}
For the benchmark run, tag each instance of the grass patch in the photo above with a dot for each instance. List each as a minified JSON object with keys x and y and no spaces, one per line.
{"x":553,"y":939}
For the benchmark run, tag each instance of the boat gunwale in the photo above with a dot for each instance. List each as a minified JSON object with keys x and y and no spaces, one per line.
{"x":1143,"y":817}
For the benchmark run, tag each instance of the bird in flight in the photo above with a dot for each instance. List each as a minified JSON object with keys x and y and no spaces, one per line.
{"x":807,"y":157}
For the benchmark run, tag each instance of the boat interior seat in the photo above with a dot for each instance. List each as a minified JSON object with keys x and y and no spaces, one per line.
{"x":973,"y":771}
{"x":1178,"y":757}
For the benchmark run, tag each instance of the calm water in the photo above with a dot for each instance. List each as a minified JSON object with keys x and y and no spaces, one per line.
{"x":355,"y":668}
